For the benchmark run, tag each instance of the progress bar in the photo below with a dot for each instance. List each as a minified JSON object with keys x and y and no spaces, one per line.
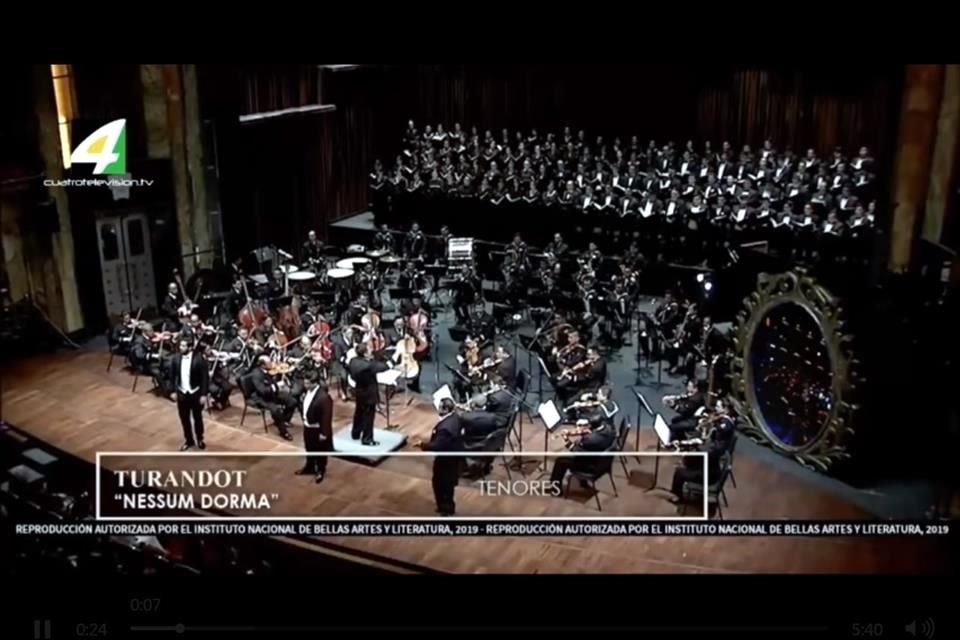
{"x":181,"y":629}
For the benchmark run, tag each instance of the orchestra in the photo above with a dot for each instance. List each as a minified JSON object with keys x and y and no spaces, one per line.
{"x":346,"y":334}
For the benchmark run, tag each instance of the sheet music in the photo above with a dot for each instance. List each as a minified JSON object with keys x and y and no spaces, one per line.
{"x":643,"y":401}
{"x":549,"y":414}
{"x":440,"y":394}
{"x":388,"y":378}
{"x":663,"y":431}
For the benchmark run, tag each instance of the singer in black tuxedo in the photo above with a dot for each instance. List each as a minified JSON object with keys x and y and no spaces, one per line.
{"x":191,"y":376}
{"x":447,"y":436}
{"x":317,"y":425}
{"x":364,"y":372}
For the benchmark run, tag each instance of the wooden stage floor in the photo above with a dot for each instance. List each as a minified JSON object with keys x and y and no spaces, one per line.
{"x":70,"y":401}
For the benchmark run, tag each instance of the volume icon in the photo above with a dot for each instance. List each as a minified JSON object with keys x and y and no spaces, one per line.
{"x":926,"y":628}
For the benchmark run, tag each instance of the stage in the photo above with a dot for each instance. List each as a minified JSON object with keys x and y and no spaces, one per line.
{"x":71,"y":402}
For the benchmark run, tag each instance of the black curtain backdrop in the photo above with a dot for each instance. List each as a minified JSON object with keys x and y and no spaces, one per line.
{"x":798,"y":106}
{"x":283,"y":168}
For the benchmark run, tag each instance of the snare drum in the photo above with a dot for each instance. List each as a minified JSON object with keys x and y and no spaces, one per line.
{"x":259,"y":278}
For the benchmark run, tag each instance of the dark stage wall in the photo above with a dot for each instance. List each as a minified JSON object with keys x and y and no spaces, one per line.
{"x":799,"y":107}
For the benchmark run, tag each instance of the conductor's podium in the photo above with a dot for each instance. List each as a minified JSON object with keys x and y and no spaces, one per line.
{"x":347,"y":447}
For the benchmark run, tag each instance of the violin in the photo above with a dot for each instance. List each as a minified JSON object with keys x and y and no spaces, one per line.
{"x":575,"y":432}
{"x":481,"y":368}
{"x":575,"y":369}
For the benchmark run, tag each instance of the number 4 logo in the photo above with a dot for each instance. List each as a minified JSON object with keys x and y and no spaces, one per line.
{"x":105,"y":148}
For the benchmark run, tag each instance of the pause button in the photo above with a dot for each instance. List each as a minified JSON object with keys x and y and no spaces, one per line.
{"x":42,"y":630}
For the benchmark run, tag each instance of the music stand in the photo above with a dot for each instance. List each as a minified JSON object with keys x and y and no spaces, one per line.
{"x":663,"y":440}
{"x":457,"y":334}
{"x":433,"y":293}
{"x":398,"y":295}
{"x":456,"y":374}
{"x":642,"y":405}
{"x":388,"y":379}
{"x":441,"y":394}
{"x":643,"y":364}
{"x":551,"y":417}
{"x":543,"y":368}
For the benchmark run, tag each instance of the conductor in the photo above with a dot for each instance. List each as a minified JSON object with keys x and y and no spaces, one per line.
{"x":364,"y":372}
{"x":447,"y":436}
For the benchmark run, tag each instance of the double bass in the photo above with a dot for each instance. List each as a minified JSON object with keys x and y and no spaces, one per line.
{"x":252,"y":314}
{"x":188,"y":306}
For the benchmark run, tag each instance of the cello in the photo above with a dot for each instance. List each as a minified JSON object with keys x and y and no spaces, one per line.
{"x":419,"y":324}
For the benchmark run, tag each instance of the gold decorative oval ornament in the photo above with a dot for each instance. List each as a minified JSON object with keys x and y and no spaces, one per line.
{"x":793,"y":378}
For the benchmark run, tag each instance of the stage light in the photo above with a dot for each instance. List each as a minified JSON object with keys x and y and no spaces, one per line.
{"x":700,"y":277}
{"x":707,"y":286}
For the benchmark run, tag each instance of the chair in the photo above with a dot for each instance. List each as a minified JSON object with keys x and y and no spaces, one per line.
{"x":730,"y":452}
{"x":114,"y":349}
{"x":603,"y":467}
{"x":493,"y":442}
{"x":622,"y":432}
{"x":522,"y":384}
{"x":246,"y":390}
{"x":140,"y":371}
{"x":693,"y":491}
{"x":511,"y":427}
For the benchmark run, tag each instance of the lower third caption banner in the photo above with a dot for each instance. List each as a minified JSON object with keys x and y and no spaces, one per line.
{"x":452,"y":527}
